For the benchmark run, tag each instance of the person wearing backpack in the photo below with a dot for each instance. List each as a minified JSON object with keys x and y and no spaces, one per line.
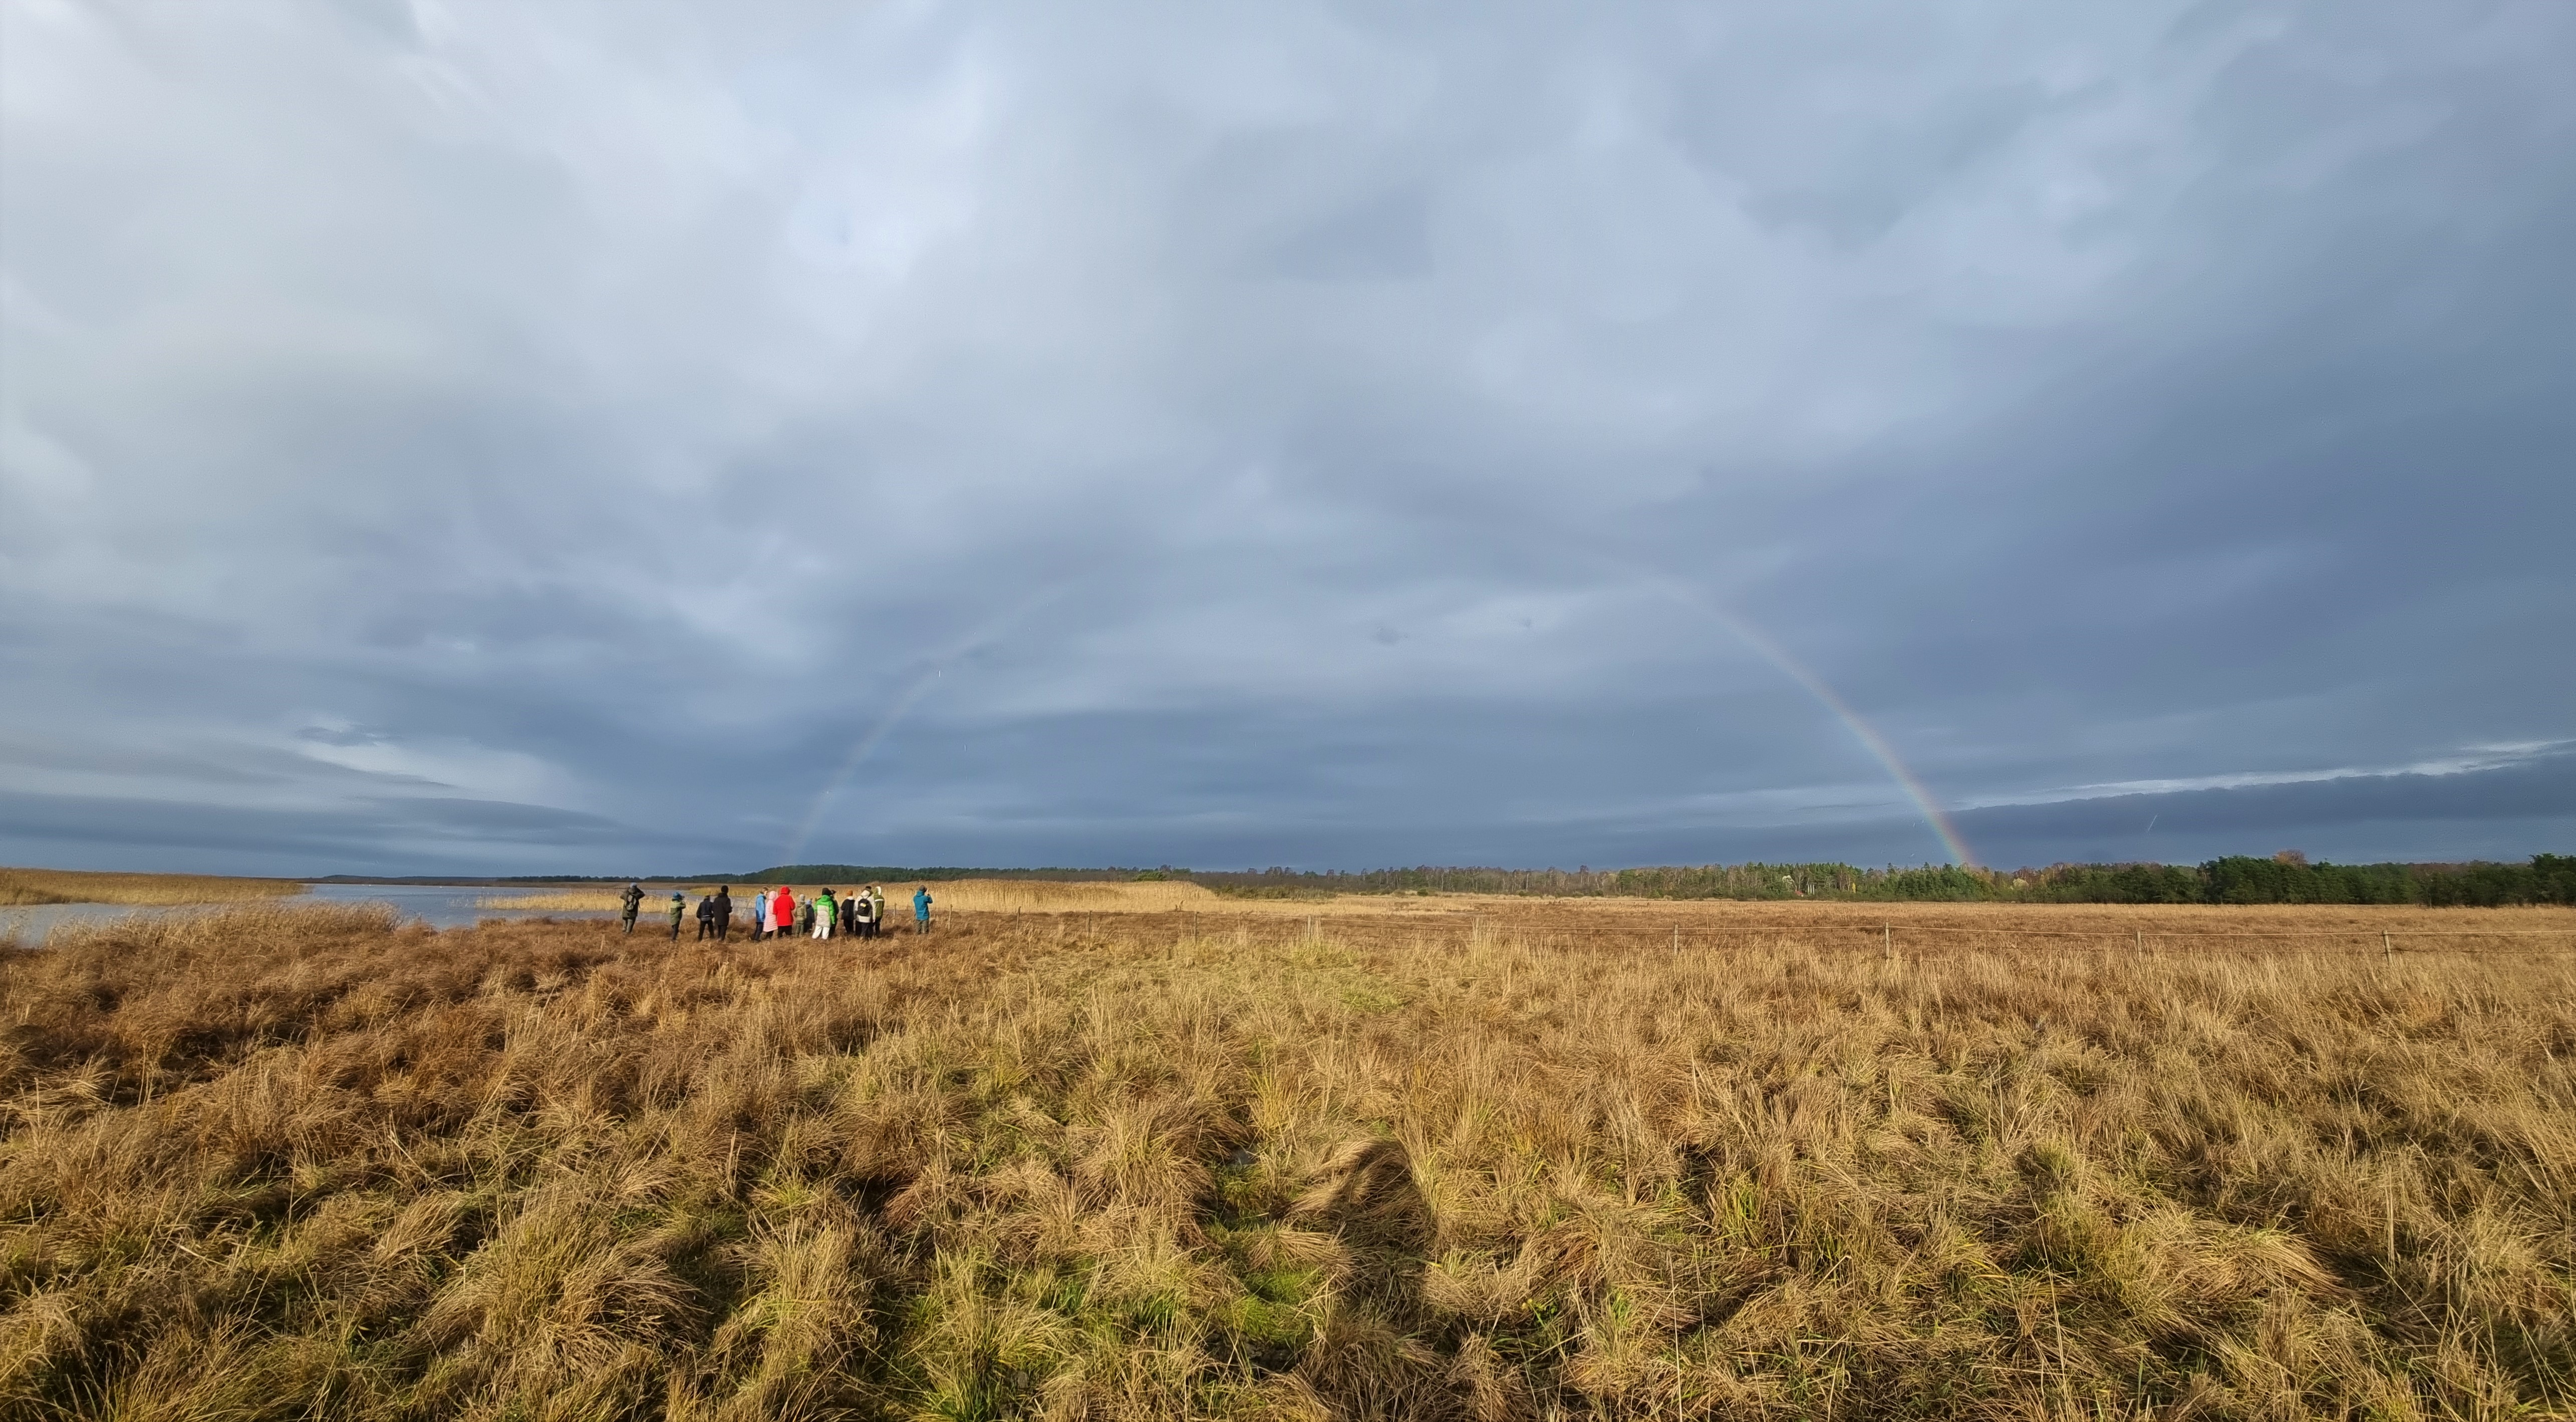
{"x":863,"y":914}
{"x":706,"y":917}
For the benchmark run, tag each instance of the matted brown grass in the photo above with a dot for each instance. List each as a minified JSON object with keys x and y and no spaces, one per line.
{"x":303,"y":1162}
{"x":78,"y":886}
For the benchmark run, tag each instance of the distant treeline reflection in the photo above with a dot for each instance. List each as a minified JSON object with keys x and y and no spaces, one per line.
{"x":2238,"y":879}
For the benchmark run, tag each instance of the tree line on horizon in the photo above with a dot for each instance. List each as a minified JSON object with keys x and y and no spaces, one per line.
{"x":2287,"y":878}
{"x":2236,"y":879}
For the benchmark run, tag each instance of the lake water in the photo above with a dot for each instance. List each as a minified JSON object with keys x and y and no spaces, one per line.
{"x":438,"y":905}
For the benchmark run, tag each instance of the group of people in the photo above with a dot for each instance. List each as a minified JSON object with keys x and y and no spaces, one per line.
{"x":774,"y":913}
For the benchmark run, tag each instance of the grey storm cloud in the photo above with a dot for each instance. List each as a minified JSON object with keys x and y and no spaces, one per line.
{"x":593,"y":438}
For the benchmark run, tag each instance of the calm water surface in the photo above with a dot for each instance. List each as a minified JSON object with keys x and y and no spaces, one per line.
{"x":438,"y":905}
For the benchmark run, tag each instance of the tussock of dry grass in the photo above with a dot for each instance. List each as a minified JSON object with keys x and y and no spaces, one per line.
{"x":75,"y":886}
{"x":306,"y":1163}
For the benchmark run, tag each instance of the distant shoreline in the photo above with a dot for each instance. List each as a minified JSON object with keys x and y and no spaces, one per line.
{"x":2285,"y":878}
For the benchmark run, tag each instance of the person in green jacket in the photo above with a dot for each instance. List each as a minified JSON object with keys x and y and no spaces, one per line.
{"x":827,"y":914}
{"x":679,"y":908}
{"x":631,"y":903}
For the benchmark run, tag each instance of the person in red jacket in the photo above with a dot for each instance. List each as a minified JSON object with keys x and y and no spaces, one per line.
{"x":782,"y":912}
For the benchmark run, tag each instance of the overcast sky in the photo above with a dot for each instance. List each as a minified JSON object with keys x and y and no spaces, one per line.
{"x":625,"y":437}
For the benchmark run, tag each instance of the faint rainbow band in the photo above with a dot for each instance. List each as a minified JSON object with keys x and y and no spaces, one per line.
{"x":1735,"y":622}
{"x":1877,"y":745}
{"x":911,"y":692}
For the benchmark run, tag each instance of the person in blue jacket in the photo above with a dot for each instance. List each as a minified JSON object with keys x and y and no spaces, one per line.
{"x":921,"y":909}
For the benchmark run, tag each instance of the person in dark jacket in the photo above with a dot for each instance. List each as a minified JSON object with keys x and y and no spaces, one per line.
{"x":863,"y":914}
{"x":706,"y":917}
{"x":850,"y":914}
{"x":724,"y":913}
{"x":633,"y":900}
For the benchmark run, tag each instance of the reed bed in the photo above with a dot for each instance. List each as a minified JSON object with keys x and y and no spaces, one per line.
{"x":310,"y":1163}
{"x":574,"y":900}
{"x":75,"y":886}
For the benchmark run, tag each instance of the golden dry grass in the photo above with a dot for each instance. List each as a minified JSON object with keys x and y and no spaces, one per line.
{"x":573,"y":900}
{"x":301,"y":1162}
{"x":75,"y":886}
{"x":1709,"y":921}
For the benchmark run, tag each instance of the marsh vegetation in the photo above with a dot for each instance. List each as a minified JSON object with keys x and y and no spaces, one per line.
{"x":79,"y":886}
{"x":285,"y":1162}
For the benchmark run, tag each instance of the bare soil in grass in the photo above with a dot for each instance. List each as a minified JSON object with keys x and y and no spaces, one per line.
{"x":1450,"y":1161}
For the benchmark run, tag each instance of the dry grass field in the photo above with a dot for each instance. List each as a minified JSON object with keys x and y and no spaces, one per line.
{"x":1442,"y":1161}
{"x":74,"y":886}
{"x":1703,"y":922}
